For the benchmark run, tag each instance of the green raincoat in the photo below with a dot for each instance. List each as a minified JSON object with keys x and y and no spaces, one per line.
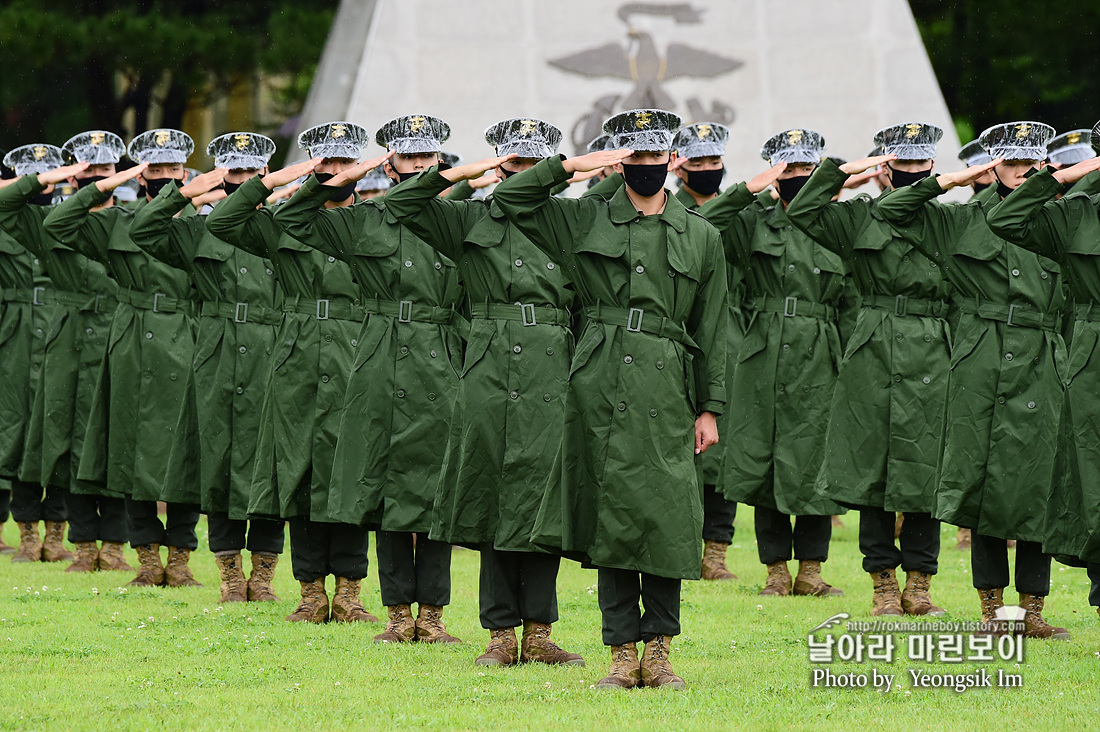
{"x":651,"y":358}
{"x":1004,"y":393}
{"x":146,"y":380}
{"x":238,"y":314}
{"x":300,"y":416}
{"x":883,"y":443}
{"x":1068,"y":231}
{"x":402,"y":384}
{"x":786,"y":369}
{"x":76,"y":341}
{"x":510,"y":409}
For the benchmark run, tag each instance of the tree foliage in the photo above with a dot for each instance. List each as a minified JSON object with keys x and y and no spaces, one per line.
{"x":90,"y":63}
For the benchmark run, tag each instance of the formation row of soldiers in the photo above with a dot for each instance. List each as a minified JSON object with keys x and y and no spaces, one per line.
{"x":302,"y":361}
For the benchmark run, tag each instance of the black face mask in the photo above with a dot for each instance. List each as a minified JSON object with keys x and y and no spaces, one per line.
{"x":705,"y":182}
{"x":405,"y":176}
{"x":903,"y":178}
{"x":231,"y":187}
{"x":154,"y":187}
{"x":90,"y":181}
{"x":645,"y":180}
{"x":509,"y":173}
{"x":979,"y":187}
{"x":1002,"y":189}
{"x":41,"y":199}
{"x":338,"y":194}
{"x":789,"y":187}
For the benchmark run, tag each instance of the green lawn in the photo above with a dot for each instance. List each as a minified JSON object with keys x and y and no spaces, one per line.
{"x":79,"y":652}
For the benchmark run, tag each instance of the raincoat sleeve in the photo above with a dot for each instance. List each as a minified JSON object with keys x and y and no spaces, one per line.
{"x":460,"y":191}
{"x":727,"y":213}
{"x":832,"y":225}
{"x":22,"y":221}
{"x":331,"y":231}
{"x":707,"y":325}
{"x":1030,"y":218}
{"x":70,"y":224}
{"x":441,"y":223}
{"x":606,"y":188}
{"x":552,"y":224}
{"x":236,"y":220}
{"x":157,"y":232}
{"x":930,"y":229}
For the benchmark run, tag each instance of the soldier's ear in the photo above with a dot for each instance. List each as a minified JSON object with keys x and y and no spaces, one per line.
{"x":618,"y":168}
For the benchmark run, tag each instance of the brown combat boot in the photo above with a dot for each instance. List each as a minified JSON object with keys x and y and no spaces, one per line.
{"x":111,"y":558}
{"x":314,"y":605}
{"x":53,"y":546}
{"x":430,"y":627}
{"x":401,"y":627}
{"x":233,"y":588}
{"x":263,"y":572}
{"x":346,"y":606}
{"x":809,"y":582}
{"x":537,"y":646}
{"x":30,"y":545}
{"x":714,"y":561}
{"x":176,"y":572}
{"x":1034,"y":625}
{"x":503,"y":649}
{"x":87,"y":557}
{"x":992,"y":600}
{"x":886,"y":596}
{"x":626,"y":671}
{"x":779,"y":580}
{"x":151,"y":571}
{"x":917,"y":598}
{"x":656,"y":670}
{"x":962,"y":539}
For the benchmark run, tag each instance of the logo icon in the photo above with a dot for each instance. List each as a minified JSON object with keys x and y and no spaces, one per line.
{"x":912,"y":130}
{"x":338,"y":131}
{"x":242,"y":141}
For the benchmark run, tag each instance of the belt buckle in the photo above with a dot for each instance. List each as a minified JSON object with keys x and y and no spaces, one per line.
{"x":322,"y":310}
{"x":404,"y":311}
{"x":630,"y":326}
{"x":901,"y":305}
{"x":790,"y":307}
{"x":524,"y":310}
{"x":1011,"y":310}
{"x":34,"y":297}
{"x":240,"y":313}
{"x":97,"y":300}
{"x":156,"y":301}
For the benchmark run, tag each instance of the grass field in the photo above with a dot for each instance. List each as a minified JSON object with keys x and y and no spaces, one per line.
{"x":79,"y":652}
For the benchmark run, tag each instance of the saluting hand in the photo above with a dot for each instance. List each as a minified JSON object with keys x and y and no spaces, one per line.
{"x":474,"y":171}
{"x":706,"y":432}
{"x":858,"y":166}
{"x":204,"y":183}
{"x":966,"y":176}
{"x":855,"y":181}
{"x":765,"y":179}
{"x":580,"y":177}
{"x":596,"y":160}
{"x":485,"y":181}
{"x":60,"y":174}
{"x":357,"y":172}
{"x":110,"y":183}
{"x":1076,"y":172}
{"x":290,"y":173}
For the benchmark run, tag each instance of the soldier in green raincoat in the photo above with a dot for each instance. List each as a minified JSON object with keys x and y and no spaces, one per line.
{"x":647,"y":375}
{"x":1005,"y":389}
{"x":782,"y":385}
{"x":313,"y":356}
{"x":238,"y":311}
{"x":76,"y":343}
{"x":146,"y":379}
{"x":882,"y":445}
{"x":510,"y":409}
{"x":25,"y":317}
{"x":1067,"y":229}
{"x":402,"y":384}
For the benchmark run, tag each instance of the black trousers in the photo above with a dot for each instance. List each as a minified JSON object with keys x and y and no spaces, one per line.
{"x":408,"y":574}
{"x":517,"y":586}
{"x":318,"y":549}
{"x":989,"y":565}
{"x":718,"y":515}
{"x":5,"y":504}
{"x":178,"y":529}
{"x":920,"y":541}
{"x":775,"y":536}
{"x":620,"y":591}
{"x":32,"y":502}
{"x":1093,"y":569}
{"x":96,"y":518}
{"x":229,"y":535}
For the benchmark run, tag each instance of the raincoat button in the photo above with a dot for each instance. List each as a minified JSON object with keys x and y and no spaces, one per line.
{"x":817,"y":270}
{"x":549,"y":351}
{"x":269,"y":272}
{"x":324,"y":379}
{"x":432,"y":354}
{"x":243,"y":349}
{"x":332,"y":259}
{"x":1044,"y":275}
{"x":438,"y":265}
{"x":926,"y":380}
{"x":628,"y":359}
{"x":671,"y":273}
{"x":622,"y":406}
{"x":660,"y":364}
{"x":790,"y":268}
{"x":639,"y":269}
{"x":1008,"y":357}
{"x":408,"y":263}
{"x":1015,"y":273}
{"x":404,"y":350}
{"x":514,"y":395}
{"x":653,"y":413}
{"x":546,"y":397}
{"x":240,"y":390}
{"x":1000,"y":400}
{"x":786,"y":346}
{"x":927,"y":339}
{"x":89,"y":331}
{"x":148,"y":334}
{"x":516,"y":349}
{"x":519,"y":262}
{"x":1031,"y":405}
{"x":244,"y":270}
{"x":328,"y":337}
{"x":172,"y":377}
{"x":431,"y":397}
{"x":897,"y":378}
{"x":354,"y":342}
{"x":549,"y":265}
{"x":400,"y":393}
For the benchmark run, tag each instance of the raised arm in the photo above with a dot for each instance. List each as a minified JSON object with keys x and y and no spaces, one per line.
{"x":238,"y":220}
{"x":331,"y":231}
{"x":931,"y":229}
{"x":18,"y":218}
{"x":156,"y":230}
{"x":441,"y":223}
{"x":833,"y":225}
{"x":722,"y":210}
{"x":70,"y":223}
